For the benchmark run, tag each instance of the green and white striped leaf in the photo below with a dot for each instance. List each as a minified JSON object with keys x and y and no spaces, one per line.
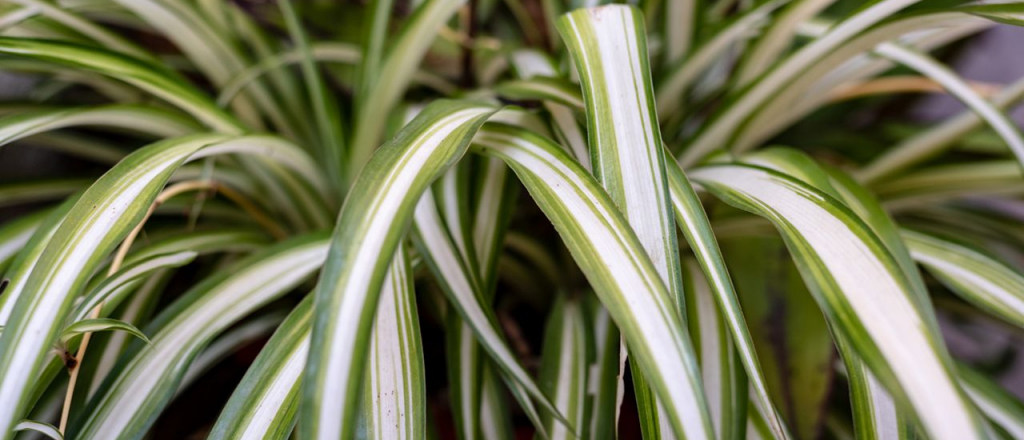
{"x":933,"y":140}
{"x":1002,"y":408}
{"x":720,"y":129}
{"x":369,"y":228}
{"x":394,"y":399}
{"x":94,"y":226}
{"x":977,"y":277}
{"x":682,"y":75}
{"x":106,"y":215}
{"x":99,"y":325}
{"x":613,"y":260}
{"x":777,"y":38}
{"x":540,"y":87}
{"x":960,"y":89}
{"x":135,"y":118}
{"x":200,"y":242}
{"x":537,"y":66}
{"x":153,"y":79}
{"x":490,"y":210}
{"x":40,"y":427}
{"x":251,"y":331}
{"x":609,"y":47}
{"x":725,"y":385}
{"x":65,"y":16}
{"x":603,"y":380}
{"x":697,"y":230}
{"x":563,"y":368}
{"x":146,"y":378}
{"x":102,"y":290}
{"x":139,"y":297}
{"x":464,"y":290}
{"x":265,"y":404}
{"x":464,"y":357}
{"x":105,"y":350}
{"x":820,"y":232}
{"x":950,"y":182}
{"x":211,"y":50}
{"x":875,"y":414}
{"x":475,"y":386}
{"x":694,"y":223}
{"x":849,"y":64}
{"x":495,"y":414}
{"x":396,"y":71}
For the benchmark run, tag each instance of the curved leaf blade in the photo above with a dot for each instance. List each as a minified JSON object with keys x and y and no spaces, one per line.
{"x":99,"y":325}
{"x":368,"y":230}
{"x":153,"y":79}
{"x":614,"y":262}
{"x":147,"y":377}
{"x":978,"y":278}
{"x":823,"y":236}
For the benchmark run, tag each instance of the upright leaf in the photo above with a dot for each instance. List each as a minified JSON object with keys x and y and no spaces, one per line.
{"x":609,"y":47}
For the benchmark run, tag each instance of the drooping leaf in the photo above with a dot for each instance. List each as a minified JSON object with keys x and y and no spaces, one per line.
{"x":99,"y":325}
{"x":978,"y":278}
{"x":40,"y":427}
{"x":154,"y":79}
{"x":146,"y":378}
{"x":905,"y":354}
{"x":93,"y":227}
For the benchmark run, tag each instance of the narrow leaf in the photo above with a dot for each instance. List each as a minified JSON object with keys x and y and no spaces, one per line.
{"x":265,"y":404}
{"x":997,"y":404}
{"x":396,"y":71}
{"x":40,"y":427}
{"x":99,"y":325}
{"x":151,"y":78}
{"x":563,"y":368}
{"x":977,"y":277}
{"x":959,"y":88}
{"x":101,"y":292}
{"x":136,"y":118}
{"x":368,"y":231}
{"x":394,"y":399}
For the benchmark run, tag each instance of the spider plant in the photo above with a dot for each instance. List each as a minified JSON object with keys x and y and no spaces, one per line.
{"x":476,"y":219}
